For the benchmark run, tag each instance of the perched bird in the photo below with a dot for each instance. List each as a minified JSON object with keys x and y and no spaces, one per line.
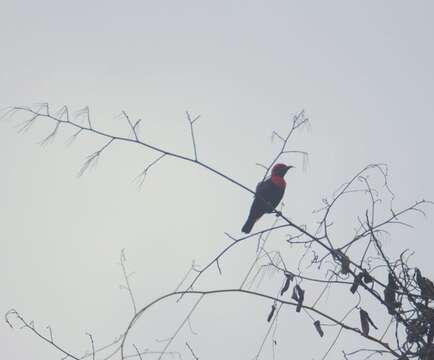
{"x":267,"y":196}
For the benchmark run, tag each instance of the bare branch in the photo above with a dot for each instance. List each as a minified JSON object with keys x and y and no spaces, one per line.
{"x":85,"y":112}
{"x":249,"y":293}
{"x":298,"y":121}
{"x":187,"y":318}
{"x":51,"y":332}
{"x":93,"y":345}
{"x":51,"y":136}
{"x":191,"y":350}
{"x":141,"y":177}
{"x":30,"y":326}
{"x":122,"y":263}
{"x":93,"y":158}
{"x":191,"y":122}
{"x":359,"y":265}
{"x":133,"y":127}
{"x":138,"y":352}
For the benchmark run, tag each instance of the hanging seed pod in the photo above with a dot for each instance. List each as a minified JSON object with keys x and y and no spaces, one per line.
{"x":426,"y":286}
{"x":289,"y":278}
{"x":389,"y":295}
{"x":345,"y":269}
{"x":367,"y":278}
{"x":270,"y":315}
{"x":356,"y":282}
{"x":298,"y":295}
{"x":391,"y":281}
{"x":317,"y":325}
{"x":344,"y":260}
{"x":365,"y":320}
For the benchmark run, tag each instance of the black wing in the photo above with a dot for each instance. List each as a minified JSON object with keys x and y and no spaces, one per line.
{"x":272,"y":194}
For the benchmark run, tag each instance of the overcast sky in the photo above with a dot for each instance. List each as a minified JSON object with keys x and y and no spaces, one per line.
{"x":362,"y":70}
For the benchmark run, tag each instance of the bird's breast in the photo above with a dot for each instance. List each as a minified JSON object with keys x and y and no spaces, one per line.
{"x":278,"y":181}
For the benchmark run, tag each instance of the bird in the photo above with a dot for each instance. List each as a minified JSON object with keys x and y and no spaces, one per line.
{"x":267,"y":195}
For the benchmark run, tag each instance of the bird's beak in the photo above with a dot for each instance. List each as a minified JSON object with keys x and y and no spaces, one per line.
{"x":288,"y":167}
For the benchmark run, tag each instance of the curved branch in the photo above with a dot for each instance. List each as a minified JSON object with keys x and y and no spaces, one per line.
{"x":252,"y":293}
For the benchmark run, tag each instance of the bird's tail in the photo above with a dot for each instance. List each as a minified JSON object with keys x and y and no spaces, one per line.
{"x":249,"y":224}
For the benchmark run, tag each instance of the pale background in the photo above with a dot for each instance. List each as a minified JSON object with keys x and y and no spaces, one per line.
{"x":363,"y":71}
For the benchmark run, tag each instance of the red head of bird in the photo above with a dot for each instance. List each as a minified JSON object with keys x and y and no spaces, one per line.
{"x":280,"y":169}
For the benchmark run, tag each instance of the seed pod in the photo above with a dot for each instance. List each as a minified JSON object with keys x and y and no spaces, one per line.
{"x":389,"y":295}
{"x":289,"y":278}
{"x":317,"y":325}
{"x":345,"y":269}
{"x":298,"y":295}
{"x":356,"y":282}
{"x":365,"y":320}
{"x":270,"y":315}
{"x":344,"y":260}
{"x":426,"y":286}
{"x":367,"y":278}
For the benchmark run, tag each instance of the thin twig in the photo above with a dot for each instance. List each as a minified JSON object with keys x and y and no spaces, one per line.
{"x":191,"y":123}
{"x":249,"y":293}
{"x":93,"y":345}
{"x":122,"y":262}
{"x":191,"y":350}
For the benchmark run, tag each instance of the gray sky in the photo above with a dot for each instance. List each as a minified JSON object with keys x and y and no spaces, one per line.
{"x":363,"y":71}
